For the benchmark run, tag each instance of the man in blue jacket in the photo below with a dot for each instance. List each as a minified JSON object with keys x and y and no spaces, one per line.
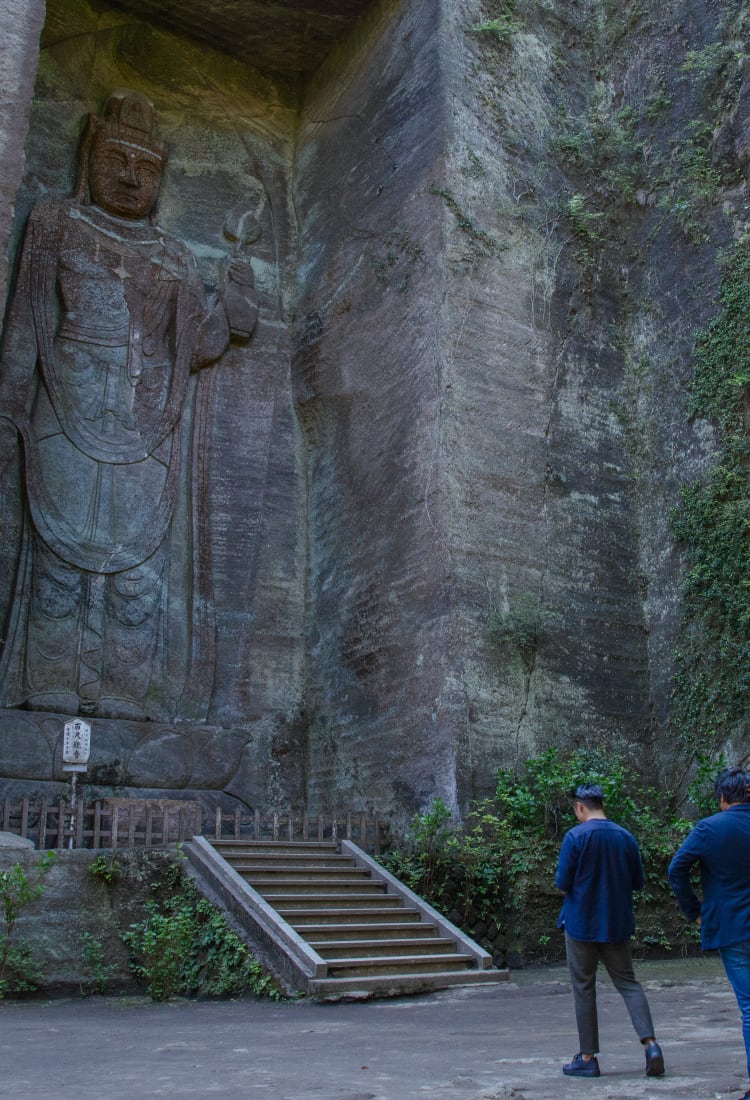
{"x":720,"y":844}
{"x":598,"y":869}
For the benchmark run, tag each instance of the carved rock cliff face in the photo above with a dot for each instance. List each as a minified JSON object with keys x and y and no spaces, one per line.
{"x":485,"y":252}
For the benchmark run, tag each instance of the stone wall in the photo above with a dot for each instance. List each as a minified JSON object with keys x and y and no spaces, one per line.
{"x":74,"y":928}
{"x":75,"y":904}
{"x":467,"y":391}
{"x":367,"y":377}
{"x":20,"y":25}
{"x":538,"y":478}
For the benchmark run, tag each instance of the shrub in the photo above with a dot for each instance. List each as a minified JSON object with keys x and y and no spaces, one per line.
{"x":495,"y":871}
{"x":184,"y":947}
{"x":18,"y":889}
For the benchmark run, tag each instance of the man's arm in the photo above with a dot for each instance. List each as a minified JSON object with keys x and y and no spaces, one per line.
{"x":638,"y":876}
{"x":687,"y":855}
{"x":566,"y":864}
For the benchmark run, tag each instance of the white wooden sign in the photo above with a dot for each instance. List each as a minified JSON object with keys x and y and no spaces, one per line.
{"x":76,"y":745}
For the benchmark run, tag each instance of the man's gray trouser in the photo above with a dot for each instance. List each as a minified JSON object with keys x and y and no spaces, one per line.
{"x":583,"y":959}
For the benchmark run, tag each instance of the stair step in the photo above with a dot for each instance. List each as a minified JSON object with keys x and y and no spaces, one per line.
{"x":274,"y":845}
{"x":281,"y":848}
{"x":391,"y":985}
{"x":343,"y":949}
{"x":372,"y":942}
{"x":323,"y":901}
{"x":392,"y":964}
{"x":406,"y":929}
{"x":315,"y":886}
{"x":299,"y":916}
{"x":294,"y":861}
{"x":345,"y":876}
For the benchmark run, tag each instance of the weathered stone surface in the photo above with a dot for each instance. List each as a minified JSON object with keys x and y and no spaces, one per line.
{"x":20,"y":27}
{"x":367,"y":375}
{"x":10,"y":840}
{"x":286,"y":37}
{"x":77,"y":904}
{"x":467,"y":385}
{"x":140,"y":755}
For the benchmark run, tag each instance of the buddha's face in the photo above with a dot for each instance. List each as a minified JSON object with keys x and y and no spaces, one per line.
{"x":124,"y":179}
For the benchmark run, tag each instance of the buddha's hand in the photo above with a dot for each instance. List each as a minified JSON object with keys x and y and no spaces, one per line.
{"x":240,"y":298}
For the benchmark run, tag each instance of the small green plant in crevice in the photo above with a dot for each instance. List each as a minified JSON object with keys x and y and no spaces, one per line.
{"x":482,"y":241}
{"x":715,"y":73}
{"x":94,"y":959}
{"x":502,"y":29}
{"x":710,"y":67}
{"x":711,"y":691}
{"x":184,"y":947}
{"x":606,"y":155}
{"x":519,"y":630}
{"x":697,"y":169}
{"x":586,"y":225}
{"x":656,"y":106}
{"x":109,"y":870}
{"x":18,"y":890}
{"x":694,"y":181}
{"x":502,"y":26}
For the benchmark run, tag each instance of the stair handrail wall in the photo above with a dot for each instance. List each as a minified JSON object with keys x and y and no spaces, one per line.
{"x":464,"y":945}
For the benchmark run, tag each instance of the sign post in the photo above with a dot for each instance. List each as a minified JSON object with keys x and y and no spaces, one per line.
{"x":76,"y":752}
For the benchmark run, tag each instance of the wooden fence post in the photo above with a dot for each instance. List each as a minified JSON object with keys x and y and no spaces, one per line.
{"x":43,"y":826}
{"x":96,"y":843}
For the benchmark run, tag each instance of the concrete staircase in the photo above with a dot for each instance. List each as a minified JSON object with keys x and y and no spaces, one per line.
{"x":334,"y":922}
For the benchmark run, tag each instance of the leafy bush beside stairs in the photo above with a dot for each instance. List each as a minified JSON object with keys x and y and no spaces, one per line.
{"x":183,"y":945}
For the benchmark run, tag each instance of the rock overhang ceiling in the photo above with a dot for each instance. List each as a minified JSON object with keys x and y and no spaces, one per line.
{"x":282,"y":37}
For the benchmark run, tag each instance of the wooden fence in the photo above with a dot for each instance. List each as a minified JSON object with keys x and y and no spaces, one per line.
{"x":136,"y":823}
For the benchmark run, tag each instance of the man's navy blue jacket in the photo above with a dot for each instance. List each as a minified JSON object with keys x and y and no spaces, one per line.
{"x":599,"y":868}
{"x":721,"y":844}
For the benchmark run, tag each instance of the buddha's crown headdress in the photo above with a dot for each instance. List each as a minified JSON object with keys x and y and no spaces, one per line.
{"x":129,"y":118}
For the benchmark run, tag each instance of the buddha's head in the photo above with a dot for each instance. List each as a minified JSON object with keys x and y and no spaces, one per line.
{"x":123,"y":157}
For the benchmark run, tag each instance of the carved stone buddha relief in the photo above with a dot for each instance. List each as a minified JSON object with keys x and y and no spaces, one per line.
{"x":140,"y":397}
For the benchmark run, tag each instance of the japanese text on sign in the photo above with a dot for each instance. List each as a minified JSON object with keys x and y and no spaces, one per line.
{"x":76,"y":742}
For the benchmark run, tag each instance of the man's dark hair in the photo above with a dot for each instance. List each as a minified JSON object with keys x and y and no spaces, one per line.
{"x":733,"y":785}
{"x":590,"y":794}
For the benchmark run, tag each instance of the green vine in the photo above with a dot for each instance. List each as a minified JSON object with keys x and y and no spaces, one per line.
{"x":712,"y":523}
{"x":184,"y":947}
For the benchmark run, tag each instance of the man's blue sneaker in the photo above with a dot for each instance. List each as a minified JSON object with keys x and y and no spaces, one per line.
{"x":654,"y":1060}
{"x":582,"y":1067}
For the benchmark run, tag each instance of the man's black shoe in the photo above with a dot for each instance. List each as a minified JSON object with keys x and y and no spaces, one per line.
{"x":580,"y":1067}
{"x":654,"y":1060}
